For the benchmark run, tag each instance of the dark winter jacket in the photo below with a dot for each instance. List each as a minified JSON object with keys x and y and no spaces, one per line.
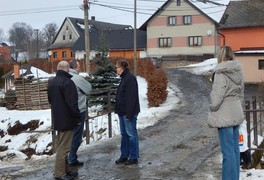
{"x":127,"y":100}
{"x":62,"y":95}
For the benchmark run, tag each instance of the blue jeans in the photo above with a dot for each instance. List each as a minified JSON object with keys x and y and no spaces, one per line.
{"x":129,"y":137}
{"x":76,"y":140}
{"x":228,"y":137}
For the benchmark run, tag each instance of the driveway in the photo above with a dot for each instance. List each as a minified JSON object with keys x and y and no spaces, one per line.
{"x":179,"y":146}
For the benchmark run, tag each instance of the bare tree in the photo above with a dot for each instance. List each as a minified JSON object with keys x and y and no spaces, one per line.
{"x":37,"y":46}
{"x":20,"y":36}
{"x":48,"y":33}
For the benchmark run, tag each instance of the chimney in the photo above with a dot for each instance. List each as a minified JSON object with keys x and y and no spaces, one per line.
{"x":16,"y":71}
{"x":93,"y":18}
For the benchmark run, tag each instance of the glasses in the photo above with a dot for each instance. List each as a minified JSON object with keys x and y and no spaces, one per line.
{"x":117,"y":67}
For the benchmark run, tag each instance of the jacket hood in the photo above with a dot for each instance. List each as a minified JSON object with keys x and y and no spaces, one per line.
{"x":73,"y":72}
{"x":232,"y":69}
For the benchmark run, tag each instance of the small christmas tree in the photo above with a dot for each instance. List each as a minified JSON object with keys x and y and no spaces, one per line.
{"x":104,"y":78}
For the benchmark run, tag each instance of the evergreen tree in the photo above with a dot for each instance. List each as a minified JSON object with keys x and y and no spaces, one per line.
{"x":104,"y":78}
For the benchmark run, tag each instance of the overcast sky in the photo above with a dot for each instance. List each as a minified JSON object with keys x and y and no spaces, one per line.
{"x":39,"y":13}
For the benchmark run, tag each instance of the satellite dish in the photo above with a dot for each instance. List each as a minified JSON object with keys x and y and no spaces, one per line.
{"x":49,"y":53}
{"x":209,"y":32}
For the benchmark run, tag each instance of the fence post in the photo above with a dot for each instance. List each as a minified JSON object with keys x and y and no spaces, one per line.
{"x":255,"y":121}
{"x":109,"y":114}
{"x":87,"y":127}
{"x":260,"y":119}
{"x":248,"y":123}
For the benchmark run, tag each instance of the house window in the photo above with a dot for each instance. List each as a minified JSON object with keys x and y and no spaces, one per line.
{"x":195,"y":40}
{"x":64,"y":54}
{"x":261,"y":64}
{"x":164,"y":42}
{"x":171,"y":20}
{"x":55,"y":55}
{"x":67,"y":28}
{"x":178,"y":3}
{"x":187,"y":20}
{"x":63,"y":37}
{"x":72,"y":54}
{"x":70,"y":36}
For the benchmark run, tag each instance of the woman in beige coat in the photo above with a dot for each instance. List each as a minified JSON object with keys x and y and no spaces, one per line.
{"x":226,"y":110}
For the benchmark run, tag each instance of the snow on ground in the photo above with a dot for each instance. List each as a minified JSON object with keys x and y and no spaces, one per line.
{"x":147,"y":117}
{"x":15,"y":143}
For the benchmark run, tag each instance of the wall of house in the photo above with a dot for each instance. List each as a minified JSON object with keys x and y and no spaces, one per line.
{"x":67,"y":34}
{"x":66,"y":38}
{"x":252,"y":74}
{"x":4,"y":54}
{"x":243,"y":37}
{"x":201,"y":26}
{"x":59,"y":51}
{"x":124,"y":54}
{"x":81,"y":54}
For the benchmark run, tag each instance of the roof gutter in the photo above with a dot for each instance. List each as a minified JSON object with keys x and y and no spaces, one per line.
{"x":222,"y":36}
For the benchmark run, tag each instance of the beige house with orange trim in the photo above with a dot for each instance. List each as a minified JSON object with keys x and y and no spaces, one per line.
{"x":184,"y":27}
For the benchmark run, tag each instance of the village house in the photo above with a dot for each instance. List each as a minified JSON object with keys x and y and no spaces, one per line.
{"x":119,"y":42}
{"x":242,"y":28}
{"x":184,"y":27}
{"x":70,"y":40}
{"x":4,"y":52}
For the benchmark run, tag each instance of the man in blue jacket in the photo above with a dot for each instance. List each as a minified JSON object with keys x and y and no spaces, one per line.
{"x":62,"y":95}
{"x":127,"y":107}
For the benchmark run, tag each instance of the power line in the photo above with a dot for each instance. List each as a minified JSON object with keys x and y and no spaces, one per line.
{"x":125,"y":8}
{"x":38,"y":10}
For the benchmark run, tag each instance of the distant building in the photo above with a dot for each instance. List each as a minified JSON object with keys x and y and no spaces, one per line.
{"x":70,"y":40}
{"x":4,"y":52}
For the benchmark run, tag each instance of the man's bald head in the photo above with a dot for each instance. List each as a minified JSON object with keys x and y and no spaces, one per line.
{"x":63,"y":65}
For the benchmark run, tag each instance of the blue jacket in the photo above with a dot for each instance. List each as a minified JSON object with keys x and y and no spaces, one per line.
{"x":62,"y":95}
{"x":127,"y":100}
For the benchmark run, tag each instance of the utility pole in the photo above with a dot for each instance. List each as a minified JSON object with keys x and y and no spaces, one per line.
{"x":37,"y":44}
{"x":135,"y":37}
{"x":87,"y":39}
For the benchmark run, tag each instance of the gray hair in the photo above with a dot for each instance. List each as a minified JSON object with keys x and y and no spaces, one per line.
{"x":63,"y":65}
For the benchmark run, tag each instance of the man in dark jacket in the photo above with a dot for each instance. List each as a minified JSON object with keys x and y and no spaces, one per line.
{"x":127,"y":107}
{"x":62,"y":95}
